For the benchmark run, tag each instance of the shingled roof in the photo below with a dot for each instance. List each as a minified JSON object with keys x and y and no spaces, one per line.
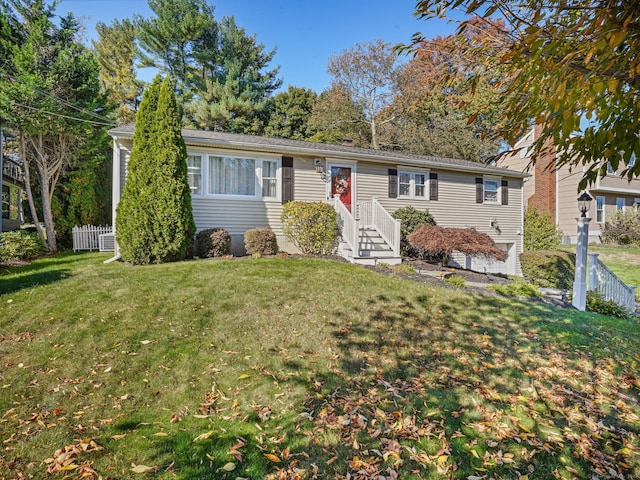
{"x":300,"y":147}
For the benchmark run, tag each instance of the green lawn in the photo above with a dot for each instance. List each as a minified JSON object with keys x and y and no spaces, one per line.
{"x":303,"y":368}
{"x":624,"y":261}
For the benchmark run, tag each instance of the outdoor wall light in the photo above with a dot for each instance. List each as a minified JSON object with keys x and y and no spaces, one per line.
{"x":319,"y":167}
{"x":584,"y":203}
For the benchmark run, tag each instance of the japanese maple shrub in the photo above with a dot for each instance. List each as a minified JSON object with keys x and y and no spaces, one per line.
{"x":310,"y":226}
{"x":260,"y":240}
{"x":441,"y":242}
{"x":154,"y":220}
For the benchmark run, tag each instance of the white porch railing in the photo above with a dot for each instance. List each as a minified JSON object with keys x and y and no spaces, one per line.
{"x":372,"y":214}
{"x":348,"y":225}
{"x":87,"y":237}
{"x":609,"y":286}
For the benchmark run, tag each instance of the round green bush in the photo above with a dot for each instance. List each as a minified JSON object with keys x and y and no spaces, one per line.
{"x":549,"y":268}
{"x":310,"y":226}
{"x":410,"y":219}
{"x":20,"y":245}
{"x":262,"y":241}
{"x":213,"y":242}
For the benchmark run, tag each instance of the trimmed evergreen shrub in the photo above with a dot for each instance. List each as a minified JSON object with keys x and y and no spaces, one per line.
{"x":623,"y":228}
{"x":410,"y":219}
{"x":310,"y":226}
{"x":540,"y":233}
{"x":154,"y":221}
{"x":213,"y":242}
{"x":549,"y":268}
{"x":597,"y":304}
{"x":260,"y":240}
{"x":20,"y":245}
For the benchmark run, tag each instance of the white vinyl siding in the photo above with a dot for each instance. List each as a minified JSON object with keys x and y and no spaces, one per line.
{"x":456,"y":206}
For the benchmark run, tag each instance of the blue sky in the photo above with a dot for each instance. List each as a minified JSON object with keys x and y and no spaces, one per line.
{"x":306,"y":32}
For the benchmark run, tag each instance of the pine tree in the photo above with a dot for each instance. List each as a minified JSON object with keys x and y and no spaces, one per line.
{"x":154,"y":221}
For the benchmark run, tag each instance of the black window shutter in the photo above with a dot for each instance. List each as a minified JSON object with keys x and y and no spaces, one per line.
{"x":287,"y":179}
{"x":479,"y":190}
{"x":393,"y":183}
{"x":433,"y":186}
{"x":505,"y":192}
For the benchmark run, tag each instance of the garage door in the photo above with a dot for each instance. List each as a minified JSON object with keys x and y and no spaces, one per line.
{"x":486,"y":265}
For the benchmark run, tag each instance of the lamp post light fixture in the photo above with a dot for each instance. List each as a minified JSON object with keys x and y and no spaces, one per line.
{"x":579,"y":299}
{"x":584,"y":202}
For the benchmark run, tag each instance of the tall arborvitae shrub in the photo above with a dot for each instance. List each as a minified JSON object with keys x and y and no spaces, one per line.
{"x":154,"y":221}
{"x":540,"y":233}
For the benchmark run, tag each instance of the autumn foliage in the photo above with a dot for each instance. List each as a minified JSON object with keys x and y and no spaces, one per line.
{"x":441,"y":242}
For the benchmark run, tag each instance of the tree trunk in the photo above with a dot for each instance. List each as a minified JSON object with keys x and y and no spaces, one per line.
{"x":27,"y":188}
{"x":45,"y":190}
{"x":374,"y":135}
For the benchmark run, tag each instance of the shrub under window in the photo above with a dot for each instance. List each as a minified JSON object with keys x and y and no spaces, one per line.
{"x":261,"y":241}
{"x":213,"y":242}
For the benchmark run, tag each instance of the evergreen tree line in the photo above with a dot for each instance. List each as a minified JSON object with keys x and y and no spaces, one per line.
{"x":58,"y":97}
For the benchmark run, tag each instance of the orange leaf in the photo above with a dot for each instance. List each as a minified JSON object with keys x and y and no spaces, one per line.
{"x":272,"y":457}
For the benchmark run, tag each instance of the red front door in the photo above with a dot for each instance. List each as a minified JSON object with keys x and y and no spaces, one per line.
{"x":341,"y":184}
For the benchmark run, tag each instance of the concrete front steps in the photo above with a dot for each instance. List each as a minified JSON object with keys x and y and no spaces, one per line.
{"x":372,"y":250}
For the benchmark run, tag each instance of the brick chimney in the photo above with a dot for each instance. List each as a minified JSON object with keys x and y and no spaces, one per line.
{"x":544,"y":195}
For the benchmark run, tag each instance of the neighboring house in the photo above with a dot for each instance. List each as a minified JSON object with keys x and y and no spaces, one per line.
{"x":12,"y":187}
{"x":553,"y":189}
{"x":240,"y":182}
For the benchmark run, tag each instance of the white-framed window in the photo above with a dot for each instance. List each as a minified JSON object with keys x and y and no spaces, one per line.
{"x":610,"y":170}
{"x":412,"y":184}
{"x":636,"y":203}
{"x":491,"y":187}
{"x":269,"y":179}
{"x":228,"y":175}
{"x":632,"y":160}
{"x":620,"y":203}
{"x":232,"y":176}
{"x":194,"y":173}
{"x":600,"y":209}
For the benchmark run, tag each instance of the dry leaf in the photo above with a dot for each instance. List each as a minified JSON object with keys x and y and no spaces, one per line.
{"x":272,"y":457}
{"x":143,"y":469}
{"x":203,"y":436}
{"x":229,"y":467}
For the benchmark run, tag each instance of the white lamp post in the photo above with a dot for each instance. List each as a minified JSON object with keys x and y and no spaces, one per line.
{"x":579,"y":299}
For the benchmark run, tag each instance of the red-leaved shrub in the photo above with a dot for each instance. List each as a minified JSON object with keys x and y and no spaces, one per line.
{"x":441,"y":242}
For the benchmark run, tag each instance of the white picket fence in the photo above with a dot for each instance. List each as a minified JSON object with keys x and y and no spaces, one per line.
{"x":91,"y":237}
{"x":609,"y":286}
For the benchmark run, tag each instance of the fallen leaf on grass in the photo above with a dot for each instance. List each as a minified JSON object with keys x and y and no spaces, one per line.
{"x":272,"y":457}
{"x":203,"y":436}
{"x":143,"y":469}
{"x":229,"y":467}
